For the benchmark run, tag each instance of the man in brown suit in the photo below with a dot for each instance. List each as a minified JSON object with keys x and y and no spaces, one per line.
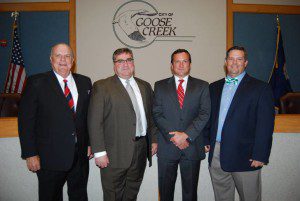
{"x":121,"y":129}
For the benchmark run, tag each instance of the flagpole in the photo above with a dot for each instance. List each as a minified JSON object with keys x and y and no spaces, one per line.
{"x":14,"y":15}
{"x":275,"y":65}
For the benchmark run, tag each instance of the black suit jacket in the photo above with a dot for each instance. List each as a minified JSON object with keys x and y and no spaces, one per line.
{"x":191,"y":119}
{"x":248,"y":127}
{"x":47,"y":126}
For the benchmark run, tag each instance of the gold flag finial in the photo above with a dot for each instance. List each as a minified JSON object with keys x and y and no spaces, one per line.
{"x":277,"y":19}
{"x":15,"y":15}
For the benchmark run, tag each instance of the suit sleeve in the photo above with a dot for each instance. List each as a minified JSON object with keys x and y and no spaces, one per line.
{"x":96,"y":118}
{"x":90,"y":88}
{"x":264,"y":126}
{"x":152,"y":127}
{"x":198,"y":124}
{"x":27,"y":117}
{"x":206,"y":130}
{"x":161,"y":122}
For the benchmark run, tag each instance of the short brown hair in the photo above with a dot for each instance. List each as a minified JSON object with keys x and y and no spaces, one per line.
{"x":121,"y":51}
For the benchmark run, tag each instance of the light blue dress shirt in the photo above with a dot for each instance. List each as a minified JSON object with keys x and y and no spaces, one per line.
{"x":227,"y":96}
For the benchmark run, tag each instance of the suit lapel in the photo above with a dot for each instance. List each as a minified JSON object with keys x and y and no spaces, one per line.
{"x":143,"y":94}
{"x":58,"y":91}
{"x":119,"y":87}
{"x":188,"y":92}
{"x":80,"y":91}
{"x":217,"y":95}
{"x":238,"y":94}
{"x":172,"y":92}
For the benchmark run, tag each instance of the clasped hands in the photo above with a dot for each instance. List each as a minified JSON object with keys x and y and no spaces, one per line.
{"x":179,"y":139}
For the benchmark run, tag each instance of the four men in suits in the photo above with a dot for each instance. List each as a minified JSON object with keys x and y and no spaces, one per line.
{"x":53,"y":128}
{"x":240,"y":130}
{"x":54,"y":119}
{"x":181,"y":110}
{"x":121,"y":128}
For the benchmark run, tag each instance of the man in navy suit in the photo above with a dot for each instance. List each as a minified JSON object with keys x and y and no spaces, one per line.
{"x":181,"y":110}
{"x":53,"y":128}
{"x":239,"y":133}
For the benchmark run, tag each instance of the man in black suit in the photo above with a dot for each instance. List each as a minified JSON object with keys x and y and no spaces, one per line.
{"x":53,"y":128}
{"x":240,"y":130}
{"x":181,"y":110}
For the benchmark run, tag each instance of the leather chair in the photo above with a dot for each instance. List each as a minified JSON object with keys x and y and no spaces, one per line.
{"x":290,"y":103}
{"x":9,"y":104}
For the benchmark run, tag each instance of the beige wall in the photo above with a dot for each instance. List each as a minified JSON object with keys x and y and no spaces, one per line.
{"x":201,"y":18}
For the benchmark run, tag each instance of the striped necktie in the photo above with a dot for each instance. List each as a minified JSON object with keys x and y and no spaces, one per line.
{"x":69,"y":97}
{"x":180,"y":93}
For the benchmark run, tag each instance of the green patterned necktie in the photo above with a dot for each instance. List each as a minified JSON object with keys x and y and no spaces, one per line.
{"x":229,"y":80}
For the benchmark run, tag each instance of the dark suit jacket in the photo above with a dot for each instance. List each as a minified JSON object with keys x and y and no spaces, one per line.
{"x":191,"y":119}
{"x":248,"y":127}
{"x":47,"y":125}
{"x":112,"y":120}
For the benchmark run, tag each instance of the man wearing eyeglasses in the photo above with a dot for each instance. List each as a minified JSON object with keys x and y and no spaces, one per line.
{"x":181,"y":110}
{"x":239,"y":133}
{"x":121,"y":129}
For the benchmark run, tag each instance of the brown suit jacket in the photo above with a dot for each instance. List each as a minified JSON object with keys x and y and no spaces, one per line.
{"x":111,"y":120}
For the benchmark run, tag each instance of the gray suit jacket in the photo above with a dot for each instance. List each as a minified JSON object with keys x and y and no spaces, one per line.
{"x":112,"y":120}
{"x":191,"y":119}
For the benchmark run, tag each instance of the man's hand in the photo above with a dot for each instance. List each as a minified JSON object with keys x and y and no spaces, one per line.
{"x":207,"y":148}
{"x":179,"y":139}
{"x":102,"y":161}
{"x":33,"y":163}
{"x":154,"y":148}
{"x":256,"y":164}
{"x":184,"y":145}
{"x":89,"y":153}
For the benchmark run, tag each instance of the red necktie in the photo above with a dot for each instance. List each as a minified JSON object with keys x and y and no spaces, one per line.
{"x":180,"y":93}
{"x":68,"y":96}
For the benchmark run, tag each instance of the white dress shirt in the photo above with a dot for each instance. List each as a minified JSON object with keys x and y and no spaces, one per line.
{"x":139,"y":99}
{"x":71,"y":84}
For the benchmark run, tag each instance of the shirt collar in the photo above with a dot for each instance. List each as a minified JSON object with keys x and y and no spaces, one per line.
{"x":124,"y":80}
{"x":239,"y":77}
{"x":185,"y":79}
{"x":61,"y":79}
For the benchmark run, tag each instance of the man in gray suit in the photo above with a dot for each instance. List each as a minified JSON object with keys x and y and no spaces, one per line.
{"x":181,"y":110}
{"x":121,"y":128}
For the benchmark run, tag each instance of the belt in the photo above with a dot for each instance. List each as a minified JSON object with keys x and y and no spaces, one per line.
{"x":137,"y":138}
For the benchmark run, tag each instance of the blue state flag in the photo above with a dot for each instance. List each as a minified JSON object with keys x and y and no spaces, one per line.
{"x":279,"y":79}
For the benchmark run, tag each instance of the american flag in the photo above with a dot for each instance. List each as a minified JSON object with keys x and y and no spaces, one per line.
{"x":16,"y":76}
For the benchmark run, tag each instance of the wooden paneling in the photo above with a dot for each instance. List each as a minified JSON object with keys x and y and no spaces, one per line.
{"x":49,"y":6}
{"x":284,"y":123}
{"x":55,"y":6}
{"x":8,"y":127}
{"x":253,"y":8}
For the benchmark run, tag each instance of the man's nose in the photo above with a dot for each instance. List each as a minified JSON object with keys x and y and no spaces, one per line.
{"x":63,"y":57}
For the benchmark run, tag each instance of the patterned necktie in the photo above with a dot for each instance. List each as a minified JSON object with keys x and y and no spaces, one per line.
{"x":180,"y":93}
{"x":229,"y":80}
{"x":139,"y":127}
{"x":69,"y":97}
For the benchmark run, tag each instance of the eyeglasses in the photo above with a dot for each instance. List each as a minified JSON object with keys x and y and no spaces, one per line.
{"x":121,"y":61}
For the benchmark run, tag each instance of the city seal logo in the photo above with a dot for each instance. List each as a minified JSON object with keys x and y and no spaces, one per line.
{"x":138,"y":24}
